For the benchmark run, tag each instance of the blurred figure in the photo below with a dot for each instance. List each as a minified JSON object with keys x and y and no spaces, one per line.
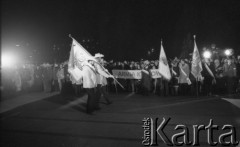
{"x":60,"y":76}
{"x":26,"y":77}
{"x":208,"y":73}
{"x":90,"y":84}
{"x":101,"y":80}
{"x":230,"y":74}
{"x":47,"y":77}
{"x":146,"y":78}
{"x":17,"y":80}
{"x":154,"y":81}
{"x":55,"y":86}
{"x":238,"y":74}
{"x":218,"y":88}
{"x":77,"y":86}
{"x":30,"y":82}
{"x":184,"y":80}
{"x":175,"y":76}
{"x":132,"y":81}
{"x":38,"y":78}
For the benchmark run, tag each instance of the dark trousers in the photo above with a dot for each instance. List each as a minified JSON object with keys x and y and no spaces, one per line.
{"x":230,"y":84}
{"x":207,"y":85}
{"x":101,"y":90}
{"x":164,"y":89}
{"x":77,"y":89}
{"x":219,"y":87}
{"x":195,"y":88}
{"x":184,"y":89}
{"x":91,"y":102}
{"x":55,"y":86}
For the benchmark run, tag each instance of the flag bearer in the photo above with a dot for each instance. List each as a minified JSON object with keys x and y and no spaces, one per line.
{"x":89,"y":83}
{"x":101,"y":79}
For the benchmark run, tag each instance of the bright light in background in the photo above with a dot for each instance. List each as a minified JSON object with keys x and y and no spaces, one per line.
{"x":207,"y":54}
{"x":8,"y":60}
{"x":228,"y":52}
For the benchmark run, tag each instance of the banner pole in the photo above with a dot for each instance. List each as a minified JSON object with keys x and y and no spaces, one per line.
{"x":111,"y":74}
{"x":115,"y":86}
{"x":197,"y":86}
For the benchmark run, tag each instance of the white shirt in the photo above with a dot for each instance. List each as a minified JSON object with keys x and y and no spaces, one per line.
{"x":101,"y":75}
{"x":89,"y":76}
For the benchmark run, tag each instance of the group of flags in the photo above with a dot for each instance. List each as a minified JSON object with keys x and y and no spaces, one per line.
{"x":196,"y":69}
{"x":79,"y":54}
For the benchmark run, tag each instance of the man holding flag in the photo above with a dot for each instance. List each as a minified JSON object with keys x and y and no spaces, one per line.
{"x":83,"y":66}
{"x":196,"y":66}
{"x":101,"y":79}
{"x":164,"y":70}
{"x":80,"y":66}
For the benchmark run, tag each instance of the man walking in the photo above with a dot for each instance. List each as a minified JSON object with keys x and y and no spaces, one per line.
{"x":89,"y":84}
{"x":101,"y":79}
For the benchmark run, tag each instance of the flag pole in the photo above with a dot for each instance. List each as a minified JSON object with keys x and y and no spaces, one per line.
{"x":194,"y":37}
{"x":116,"y":81}
{"x":70,"y":36}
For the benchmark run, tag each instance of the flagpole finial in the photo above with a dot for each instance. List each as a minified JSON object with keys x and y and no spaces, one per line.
{"x":161,"y":41}
{"x":194,"y":36}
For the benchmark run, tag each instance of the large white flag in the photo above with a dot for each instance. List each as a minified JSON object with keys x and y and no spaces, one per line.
{"x":196,"y":62}
{"x":163,"y":66}
{"x":78,"y":55}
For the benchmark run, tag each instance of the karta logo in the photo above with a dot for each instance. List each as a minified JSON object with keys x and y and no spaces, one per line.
{"x":153,"y":131}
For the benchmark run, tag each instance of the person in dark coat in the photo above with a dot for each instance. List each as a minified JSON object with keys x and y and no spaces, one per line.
{"x":208,"y":73}
{"x":146,"y":79}
{"x":230,"y":74}
{"x":55,"y":86}
{"x":38,"y":78}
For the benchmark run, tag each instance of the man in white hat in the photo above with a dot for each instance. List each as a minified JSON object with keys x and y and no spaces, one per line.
{"x":101,"y":79}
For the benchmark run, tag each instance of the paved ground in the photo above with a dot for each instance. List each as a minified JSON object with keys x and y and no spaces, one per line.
{"x":59,"y":121}
{"x":14,"y":102}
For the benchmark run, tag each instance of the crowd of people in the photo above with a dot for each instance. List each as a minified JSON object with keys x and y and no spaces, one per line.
{"x":219,"y":76}
{"x":223,"y":78}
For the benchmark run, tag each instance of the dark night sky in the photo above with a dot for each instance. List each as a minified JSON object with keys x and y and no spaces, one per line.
{"x":124,"y":29}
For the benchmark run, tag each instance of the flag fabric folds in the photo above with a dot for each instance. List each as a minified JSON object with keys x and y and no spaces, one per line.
{"x":78,"y":55}
{"x":163,"y":66}
{"x":196,"y":62}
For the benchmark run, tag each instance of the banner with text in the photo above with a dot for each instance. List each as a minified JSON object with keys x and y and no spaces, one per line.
{"x":134,"y":74}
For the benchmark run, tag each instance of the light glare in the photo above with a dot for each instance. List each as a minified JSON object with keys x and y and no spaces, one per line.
{"x":8,"y":60}
{"x":207,"y":54}
{"x":228,"y":52}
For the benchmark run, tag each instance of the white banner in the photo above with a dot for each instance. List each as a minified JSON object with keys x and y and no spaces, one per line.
{"x":134,"y":74}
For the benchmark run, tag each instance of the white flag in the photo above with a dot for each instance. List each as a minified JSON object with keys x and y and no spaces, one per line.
{"x":78,"y":55}
{"x":196,"y":62}
{"x":163,"y":66}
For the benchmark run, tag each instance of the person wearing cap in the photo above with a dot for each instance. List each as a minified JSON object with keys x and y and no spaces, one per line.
{"x":101,"y":79}
{"x":89,"y":82}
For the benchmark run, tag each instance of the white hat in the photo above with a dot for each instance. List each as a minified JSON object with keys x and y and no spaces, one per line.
{"x":98,"y":55}
{"x":90,"y":58}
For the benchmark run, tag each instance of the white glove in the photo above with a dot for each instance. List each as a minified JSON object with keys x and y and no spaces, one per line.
{"x":111,"y":76}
